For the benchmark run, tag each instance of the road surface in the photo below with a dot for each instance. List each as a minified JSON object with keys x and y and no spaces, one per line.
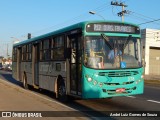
{"x":15,"y":98}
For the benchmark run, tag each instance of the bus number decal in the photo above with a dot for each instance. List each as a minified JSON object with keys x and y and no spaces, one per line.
{"x":130,"y":78}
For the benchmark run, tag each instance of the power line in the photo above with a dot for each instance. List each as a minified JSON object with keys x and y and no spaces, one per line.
{"x":137,"y":17}
{"x":149,"y":22}
{"x":141,"y":16}
{"x":84,"y":15}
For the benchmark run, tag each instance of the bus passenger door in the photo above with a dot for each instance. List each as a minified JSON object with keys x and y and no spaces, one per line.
{"x":75,"y":64}
{"x":35,"y":65}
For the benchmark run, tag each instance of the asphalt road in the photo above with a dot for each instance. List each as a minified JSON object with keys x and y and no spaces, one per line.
{"x":147,"y":103}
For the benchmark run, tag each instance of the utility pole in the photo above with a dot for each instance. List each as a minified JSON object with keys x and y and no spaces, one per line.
{"x":121,"y":14}
{"x":7,"y":50}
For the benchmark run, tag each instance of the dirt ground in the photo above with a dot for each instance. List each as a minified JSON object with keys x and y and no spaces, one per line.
{"x":153,"y":80}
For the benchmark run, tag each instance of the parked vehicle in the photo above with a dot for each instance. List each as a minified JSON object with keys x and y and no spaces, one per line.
{"x":1,"y":66}
{"x":7,"y":67}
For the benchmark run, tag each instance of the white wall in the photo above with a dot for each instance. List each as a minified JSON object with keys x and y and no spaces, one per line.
{"x":150,"y":38}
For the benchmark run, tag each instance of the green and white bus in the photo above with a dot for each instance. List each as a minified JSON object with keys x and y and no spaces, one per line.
{"x":74,"y":61}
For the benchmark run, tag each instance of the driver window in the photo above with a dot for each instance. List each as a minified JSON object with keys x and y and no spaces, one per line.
{"x":94,"y":52}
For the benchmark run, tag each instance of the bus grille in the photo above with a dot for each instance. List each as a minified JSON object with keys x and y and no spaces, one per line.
{"x":118,"y":73}
{"x":113,"y":92}
{"x":114,"y":84}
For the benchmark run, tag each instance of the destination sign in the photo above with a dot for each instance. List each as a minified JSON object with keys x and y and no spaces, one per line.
{"x":106,"y":27}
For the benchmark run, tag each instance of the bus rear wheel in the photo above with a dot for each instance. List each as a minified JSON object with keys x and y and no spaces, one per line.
{"x":25,"y":85}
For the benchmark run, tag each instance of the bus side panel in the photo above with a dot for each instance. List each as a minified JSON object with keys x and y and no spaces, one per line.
{"x":48,"y":73}
{"x":14,"y":70}
{"x":47,"y":82}
{"x":26,"y":68}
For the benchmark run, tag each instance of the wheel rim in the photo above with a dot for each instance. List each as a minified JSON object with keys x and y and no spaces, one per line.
{"x":61,"y":90}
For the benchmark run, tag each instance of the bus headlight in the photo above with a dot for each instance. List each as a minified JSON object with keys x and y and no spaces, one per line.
{"x":89,"y":79}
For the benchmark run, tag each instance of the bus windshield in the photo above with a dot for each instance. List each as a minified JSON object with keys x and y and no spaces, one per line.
{"x":112,"y":52}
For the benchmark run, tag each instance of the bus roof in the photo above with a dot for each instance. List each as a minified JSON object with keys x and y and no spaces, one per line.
{"x":65,"y":29}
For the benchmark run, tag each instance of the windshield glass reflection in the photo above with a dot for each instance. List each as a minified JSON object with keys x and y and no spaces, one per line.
{"x":103,"y":52}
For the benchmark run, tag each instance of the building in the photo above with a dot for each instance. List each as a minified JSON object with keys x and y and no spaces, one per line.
{"x":151,"y":51}
{"x":1,"y":59}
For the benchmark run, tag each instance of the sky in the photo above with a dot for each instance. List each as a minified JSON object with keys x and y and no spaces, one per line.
{"x":20,"y":17}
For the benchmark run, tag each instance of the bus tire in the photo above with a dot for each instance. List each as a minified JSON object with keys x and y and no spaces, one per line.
{"x":61,"y":89}
{"x":25,"y":85}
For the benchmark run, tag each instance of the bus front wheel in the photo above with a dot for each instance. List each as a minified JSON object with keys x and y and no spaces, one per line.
{"x":61,"y":89}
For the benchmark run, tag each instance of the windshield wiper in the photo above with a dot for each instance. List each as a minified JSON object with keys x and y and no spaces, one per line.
{"x":107,"y":41}
{"x":127,"y":41}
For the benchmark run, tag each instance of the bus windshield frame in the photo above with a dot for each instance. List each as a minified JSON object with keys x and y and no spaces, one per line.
{"x":112,"y":52}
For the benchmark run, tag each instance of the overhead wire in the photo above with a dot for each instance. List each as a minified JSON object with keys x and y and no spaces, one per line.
{"x":99,"y":9}
{"x":150,"y":21}
{"x":113,"y":11}
{"x":142,"y":15}
{"x":75,"y":19}
{"x":138,"y":16}
{"x":144,"y":18}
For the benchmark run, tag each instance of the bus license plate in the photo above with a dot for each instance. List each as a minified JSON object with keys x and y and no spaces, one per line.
{"x":120,"y":90}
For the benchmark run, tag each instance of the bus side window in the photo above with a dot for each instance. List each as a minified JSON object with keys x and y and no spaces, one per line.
{"x":41,"y":50}
{"x":73,"y":51}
